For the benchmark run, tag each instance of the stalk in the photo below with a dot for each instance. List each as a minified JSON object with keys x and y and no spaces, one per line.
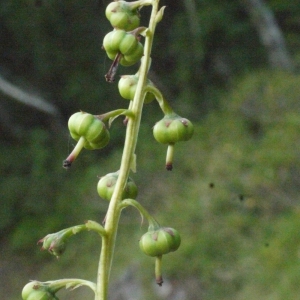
{"x":114,"y":210}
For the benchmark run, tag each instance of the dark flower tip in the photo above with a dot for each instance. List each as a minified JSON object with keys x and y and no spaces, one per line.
{"x":67,"y":164}
{"x":169,"y":167}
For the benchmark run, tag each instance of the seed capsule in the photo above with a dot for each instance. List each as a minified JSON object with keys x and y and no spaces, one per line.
{"x":94,"y":131}
{"x":37,"y":291}
{"x":172,"y":129}
{"x":159,"y":242}
{"x":106,"y":187}
{"x":126,"y":43}
{"x":127,"y":87}
{"x":123,"y":15}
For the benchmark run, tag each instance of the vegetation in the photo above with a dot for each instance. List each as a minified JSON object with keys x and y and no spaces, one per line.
{"x":236,"y":185}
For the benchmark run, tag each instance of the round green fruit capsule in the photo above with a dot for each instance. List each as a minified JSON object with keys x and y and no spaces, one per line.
{"x":112,"y":40}
{"x":159,"y":242}
{"x":126,"y":43}
{"x":172,"y":129}
{"x":123,"y":15}
{"x":127,"y":86}
{"x":106,"y":187}
{"x":94,"y":131}
{"x":37,"y":291}
{"x":133,"y":57}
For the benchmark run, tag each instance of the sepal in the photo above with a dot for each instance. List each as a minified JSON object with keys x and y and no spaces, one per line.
{"x":160,"y":14}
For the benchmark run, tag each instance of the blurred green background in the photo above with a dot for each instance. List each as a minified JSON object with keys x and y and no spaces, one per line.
{"x":232,"y":67}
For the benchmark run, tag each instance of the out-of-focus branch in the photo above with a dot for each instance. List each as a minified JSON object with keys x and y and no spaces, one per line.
{"x":270,"y":34}
{"x":20,"y":95}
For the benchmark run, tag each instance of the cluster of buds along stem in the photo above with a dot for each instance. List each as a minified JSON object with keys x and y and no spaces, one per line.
{"x":123,"y":45}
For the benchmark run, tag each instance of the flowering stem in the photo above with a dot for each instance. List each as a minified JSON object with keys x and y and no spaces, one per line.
{"x":115,"y":113}
{"x":163,"y":103}
{"x":114,"y":209}
{"x":92,"y":225}
{"x":153,"y":224}
{"x":56,"y":285}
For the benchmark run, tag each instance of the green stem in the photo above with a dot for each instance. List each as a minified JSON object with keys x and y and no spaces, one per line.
{"x":137,"y":4}
{"x":56,"y":285}
{"x":55,"y":242}
{"x":74,"y":229}
{"x":92,"y":225}
{"x":115,"y":113}
{"x":163,"y":103}
{"x":153,"y":224}
{"x":114,"y":210}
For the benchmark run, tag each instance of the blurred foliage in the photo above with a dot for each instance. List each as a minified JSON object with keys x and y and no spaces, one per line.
{"x":56,"y":47}
{"x":233,"y":193}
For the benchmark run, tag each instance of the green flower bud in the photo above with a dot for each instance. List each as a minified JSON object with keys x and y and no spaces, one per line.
{"x":55,"y":243}
{"x":37,"y":291}
{"x":127,"y":87}
{"x":159,"y":242}
{"x":94,"y":131}
{"x":123,"y":15}
{"x":106,"y":186}
{"x":112,"y":40}
{"x":126,"y":43}
{"x":172,"y":129}
{"x":133,"y":57}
